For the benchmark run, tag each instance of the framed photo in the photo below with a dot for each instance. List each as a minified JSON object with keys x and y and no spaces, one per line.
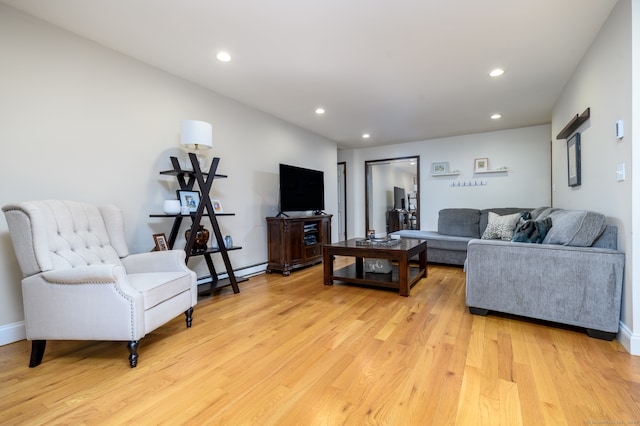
{"x":189,"y":199}
{"x":161,"y":242}
{"x":573,"y":160}
{"x":440,"y":168}
{"x":217,"y":206}
{"x":481,"y":165}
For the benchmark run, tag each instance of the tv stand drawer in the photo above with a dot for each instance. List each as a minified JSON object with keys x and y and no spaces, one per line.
{"x":312,"y":251}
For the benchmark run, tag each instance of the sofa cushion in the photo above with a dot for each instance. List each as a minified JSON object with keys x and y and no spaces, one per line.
{"x":502,"y":211}
{"x":608,"y":239}
{"x":500,"y":227}
{"x":158,"y":287}
{"x":459,"y":222}
{"x":577,"y":228}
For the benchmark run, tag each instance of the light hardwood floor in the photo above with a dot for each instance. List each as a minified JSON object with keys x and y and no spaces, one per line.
{"x":291,"y":351}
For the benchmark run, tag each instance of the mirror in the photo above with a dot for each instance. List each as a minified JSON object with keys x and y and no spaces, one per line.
{"x":392,"y":194}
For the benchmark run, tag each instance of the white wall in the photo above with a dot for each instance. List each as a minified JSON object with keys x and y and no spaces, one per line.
{"x":81,"y":122}
{"x":603,"y":82}
{"x":633,"y":344}
{"x":524,"y":151}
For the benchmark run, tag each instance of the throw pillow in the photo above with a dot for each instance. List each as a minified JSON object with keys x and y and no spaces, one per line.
{"x":540,"y":212}
{"x":459,"y":222}
{"x":575,"y":227}
{"x":531,"y":231}
{"x":500,"y":227}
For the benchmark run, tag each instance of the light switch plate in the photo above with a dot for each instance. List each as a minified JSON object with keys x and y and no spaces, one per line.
{"x":620,"y":172}
{"x":619,"y":129}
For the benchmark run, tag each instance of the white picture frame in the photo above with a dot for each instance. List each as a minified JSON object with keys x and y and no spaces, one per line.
{"x":481,"y":165}
{"x":189,"y":199}
{"x":217,"y":206}
{"x":440,"y":168}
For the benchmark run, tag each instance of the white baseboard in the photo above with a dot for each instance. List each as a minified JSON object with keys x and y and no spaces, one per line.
{"x":253,"y":270}
{"x":247,"y":271}
{"x":241,"y":272}
{"x":12,"y":333}
{"x":630,"y":341}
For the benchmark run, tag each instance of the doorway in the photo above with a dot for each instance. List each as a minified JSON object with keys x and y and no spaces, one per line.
{"x":342,"y":201}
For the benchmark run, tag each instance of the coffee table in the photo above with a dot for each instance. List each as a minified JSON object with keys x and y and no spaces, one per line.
{"x":403,"y":275}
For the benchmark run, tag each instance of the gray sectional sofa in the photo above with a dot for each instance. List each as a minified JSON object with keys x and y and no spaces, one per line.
{"x":573,"y":277}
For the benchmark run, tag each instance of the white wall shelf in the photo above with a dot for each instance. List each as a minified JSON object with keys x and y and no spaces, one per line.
{"x":492,"y":171}
{"x":445,"y":174}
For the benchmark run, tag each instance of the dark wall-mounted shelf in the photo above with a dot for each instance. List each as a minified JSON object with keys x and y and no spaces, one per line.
{"x":574,"y":124}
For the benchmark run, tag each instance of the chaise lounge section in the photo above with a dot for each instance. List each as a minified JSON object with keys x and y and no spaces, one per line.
{"x":456,"y":227}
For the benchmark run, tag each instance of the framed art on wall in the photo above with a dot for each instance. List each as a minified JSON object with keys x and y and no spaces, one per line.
{"x":480,"y":165}
{"x":440,"y":168}
{"x":573,"y":160}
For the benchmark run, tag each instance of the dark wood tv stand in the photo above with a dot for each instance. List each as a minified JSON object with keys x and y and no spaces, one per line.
{"x":296,"y":242}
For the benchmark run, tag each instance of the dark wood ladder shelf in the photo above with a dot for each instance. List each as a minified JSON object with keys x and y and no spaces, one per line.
{"x":187,"y":180}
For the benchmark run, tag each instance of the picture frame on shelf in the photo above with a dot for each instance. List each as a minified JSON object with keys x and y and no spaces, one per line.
{"x":189,"y":199}
{"x":481,"y":165}
{"x":573,"y":160}
{"x":440,"y":168}
{"x":161,"y":242}
{"x":217,"y":206}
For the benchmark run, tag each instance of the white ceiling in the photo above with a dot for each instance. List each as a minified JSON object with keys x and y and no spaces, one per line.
{"x":401,"y":70}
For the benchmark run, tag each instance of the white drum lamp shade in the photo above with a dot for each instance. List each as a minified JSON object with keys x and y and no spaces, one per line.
{"x":196,"y":134}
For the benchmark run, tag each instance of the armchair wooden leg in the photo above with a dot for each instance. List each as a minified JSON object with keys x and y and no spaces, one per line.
{"x":189,"y":313}
{"x":37,"y":352}
{"x":133,"y":353}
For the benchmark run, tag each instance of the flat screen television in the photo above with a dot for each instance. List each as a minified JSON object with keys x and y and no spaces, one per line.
{"x":398,"y":198}
{"x":301,"y":189}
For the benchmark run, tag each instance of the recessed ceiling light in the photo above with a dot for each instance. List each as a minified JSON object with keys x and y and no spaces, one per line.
{"x":366,"y":136}
{"x":496,"y":116}
{"x":223,"y":56}
{"x":319,"y":111}
{"x":496,"y":72}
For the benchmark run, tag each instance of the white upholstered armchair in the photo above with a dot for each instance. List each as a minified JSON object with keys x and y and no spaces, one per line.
{"x":81,"y":283}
